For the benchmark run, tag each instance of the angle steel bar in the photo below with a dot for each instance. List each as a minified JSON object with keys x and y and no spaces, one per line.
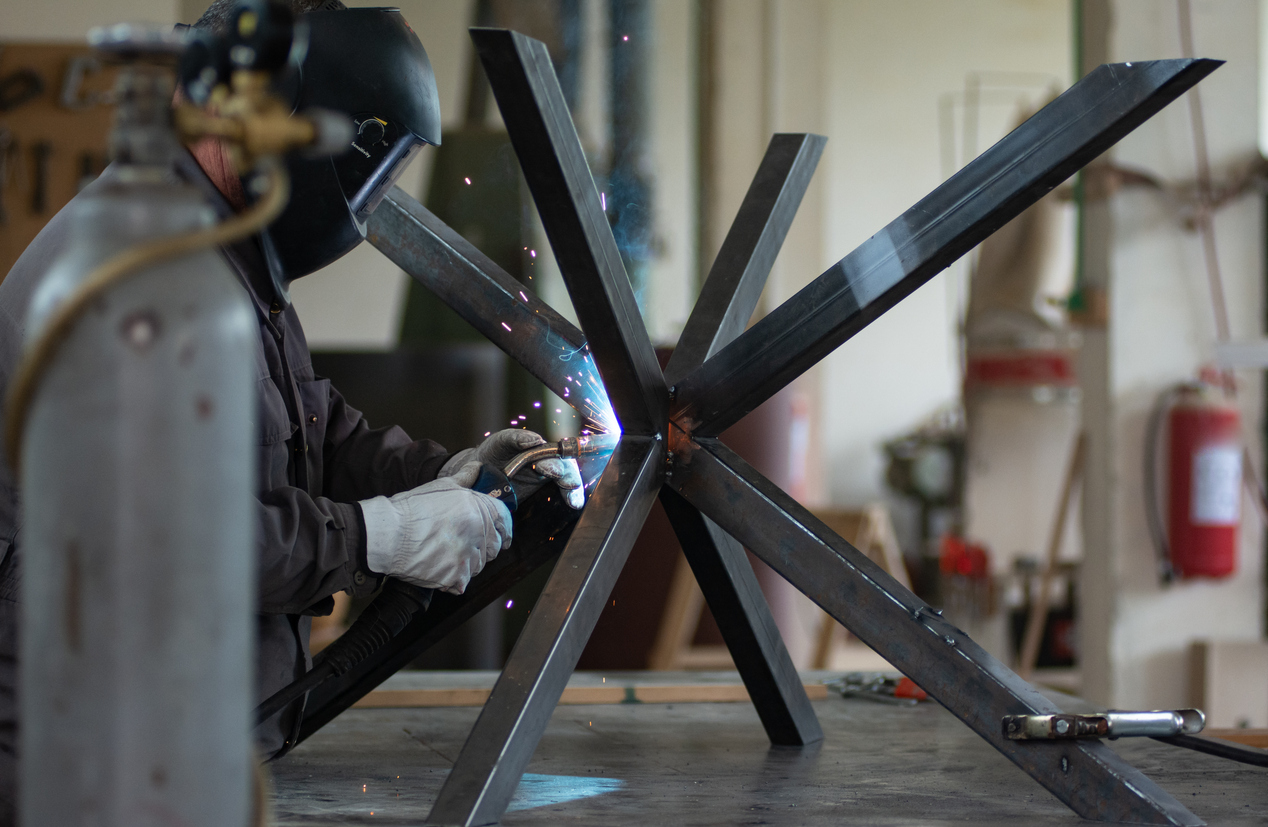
{"x":488,"y":769}
{"x":730,"y":293}
{"x":505,"y":312}
{"x":543,"y":135}
{"x":1083,"y":122}
{"x":734,"y":596}
{"x":1087,"y":776}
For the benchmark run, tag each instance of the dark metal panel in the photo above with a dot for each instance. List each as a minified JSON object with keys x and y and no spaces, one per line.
{"x":505,"y":736}
{"x":738,"y":605}
{"x":739,"y":273}
{"x":1062,"y":137}
{"x":530,"y":331}
{"x":1088,"y":776}
{"x":542,"y":527}
{"x":554,"y":165}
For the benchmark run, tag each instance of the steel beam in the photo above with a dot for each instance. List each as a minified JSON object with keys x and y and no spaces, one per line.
{"x":532,"y":105}
{"x":488,"y":298}
{"x":505,"y":736}
{"x":725,"y":576}
{"x":720,"y":564}
{"x":542,"y":527}
{"x":1087,"y":776}
{"x":730,"y":293}
{"x":1087,"y":119}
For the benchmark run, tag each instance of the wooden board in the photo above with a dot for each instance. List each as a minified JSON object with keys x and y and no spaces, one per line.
{"x":1228,"y":680}
{"x":575,"y":695}
{"x":71,"y":135}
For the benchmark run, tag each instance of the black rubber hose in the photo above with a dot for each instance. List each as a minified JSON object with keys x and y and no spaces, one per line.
{"x":1153,"y":511}
{"x":381,"y":621}
{"x":1220,"y":749}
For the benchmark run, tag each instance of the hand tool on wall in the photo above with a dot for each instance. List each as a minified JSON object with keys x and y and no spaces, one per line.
{"x":40,"y":152}
{"x":73,"y":97}
{"x":19,"y":87}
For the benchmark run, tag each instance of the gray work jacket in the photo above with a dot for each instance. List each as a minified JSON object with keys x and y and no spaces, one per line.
{"x":317,"y":458}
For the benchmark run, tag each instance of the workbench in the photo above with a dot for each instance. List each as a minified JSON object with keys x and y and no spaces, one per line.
{"x":708,"y":763}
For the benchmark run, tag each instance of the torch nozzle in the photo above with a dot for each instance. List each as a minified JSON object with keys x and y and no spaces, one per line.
{"x":570,"y":447}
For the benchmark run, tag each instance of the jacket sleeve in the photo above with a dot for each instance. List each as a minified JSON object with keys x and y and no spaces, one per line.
{"x":361,"y":462}
{"x":313,"y":546}
{"x":309,"y":548}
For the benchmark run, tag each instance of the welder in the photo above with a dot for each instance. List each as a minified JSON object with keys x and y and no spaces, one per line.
{"x":341,"y":505}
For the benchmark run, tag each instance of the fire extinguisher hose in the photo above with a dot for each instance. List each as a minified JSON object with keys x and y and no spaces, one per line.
{"x":1153,"y":513}
{"x":115,"y":270}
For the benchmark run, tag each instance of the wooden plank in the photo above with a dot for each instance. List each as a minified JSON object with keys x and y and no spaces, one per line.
{"x":575,"y":695}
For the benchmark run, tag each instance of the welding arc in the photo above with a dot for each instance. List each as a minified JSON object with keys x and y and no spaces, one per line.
{"x":1220,"y":749}
{"x":39,"y":356}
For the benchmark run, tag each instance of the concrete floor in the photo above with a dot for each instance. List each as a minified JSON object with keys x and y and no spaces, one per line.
{"x":710,"y":764}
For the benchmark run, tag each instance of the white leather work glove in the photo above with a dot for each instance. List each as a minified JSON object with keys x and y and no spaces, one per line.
{"x":500,"y":448}
{"x":437,"y":535}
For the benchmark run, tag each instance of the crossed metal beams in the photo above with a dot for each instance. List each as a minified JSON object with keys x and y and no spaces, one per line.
{"x":717,"y":375}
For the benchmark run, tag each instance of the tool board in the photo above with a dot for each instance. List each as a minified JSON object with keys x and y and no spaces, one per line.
{"x":54,"y":120}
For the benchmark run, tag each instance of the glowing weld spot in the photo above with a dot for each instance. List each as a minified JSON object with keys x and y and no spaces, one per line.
{"x":507,"y":326}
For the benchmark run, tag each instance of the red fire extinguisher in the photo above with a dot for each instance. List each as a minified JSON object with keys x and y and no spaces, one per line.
{"x":1204,"y":481}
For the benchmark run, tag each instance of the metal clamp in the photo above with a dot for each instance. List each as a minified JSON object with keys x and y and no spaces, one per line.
{"x":1112,"y":724}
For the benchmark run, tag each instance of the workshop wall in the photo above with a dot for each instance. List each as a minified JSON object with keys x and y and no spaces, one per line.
{"x":888,"y":66}
{"x":70,"y":20}
{"x":1161,"y":330}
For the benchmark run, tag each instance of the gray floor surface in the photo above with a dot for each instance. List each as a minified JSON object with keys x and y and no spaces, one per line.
{"x":710,"y":764}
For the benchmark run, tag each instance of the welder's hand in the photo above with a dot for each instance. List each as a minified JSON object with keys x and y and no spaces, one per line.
{"x":502,"y":447}
{"x":438,"y":535}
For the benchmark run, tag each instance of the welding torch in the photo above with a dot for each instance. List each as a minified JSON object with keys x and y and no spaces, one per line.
{"x":496,"y":482}
{"x":399,"y":601}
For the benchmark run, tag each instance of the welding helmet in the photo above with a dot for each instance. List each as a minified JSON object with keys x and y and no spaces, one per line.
{"x":369,"y":64}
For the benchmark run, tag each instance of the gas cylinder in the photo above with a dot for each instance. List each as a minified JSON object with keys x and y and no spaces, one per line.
{"x":1204,"y":482}
{"x":137,"y":536}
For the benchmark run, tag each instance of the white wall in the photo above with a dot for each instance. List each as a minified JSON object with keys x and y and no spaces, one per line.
{"x":71,"y":19}
{"x":888,"y":65}
{"x":1162,"y":330}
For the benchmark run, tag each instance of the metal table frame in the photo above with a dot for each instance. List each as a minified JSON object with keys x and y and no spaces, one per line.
{"x":670,"y":420}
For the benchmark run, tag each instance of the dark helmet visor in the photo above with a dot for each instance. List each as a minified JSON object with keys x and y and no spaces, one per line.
{"x":379,"y":154}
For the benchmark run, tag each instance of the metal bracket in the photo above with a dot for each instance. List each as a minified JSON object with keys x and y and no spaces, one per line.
{"x":1112,"y":724}
{"x":719,"y":373}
